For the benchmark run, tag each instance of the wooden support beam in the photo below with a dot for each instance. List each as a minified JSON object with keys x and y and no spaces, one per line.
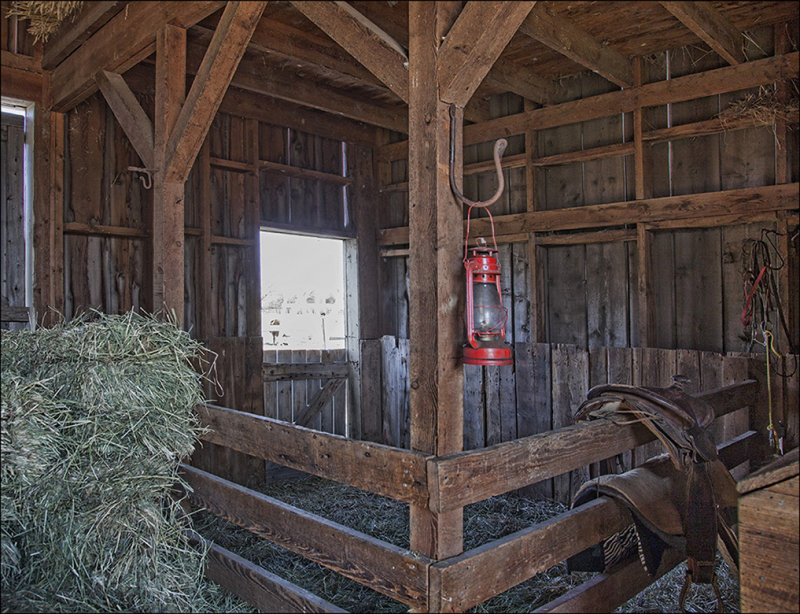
{"x":521,"y":81}
{"x":473,"y":44}
{"x":388,"y":569}
{"x":22,"y":77}
{"x":435,"y":325}
{"x":204,"y":321}
{"x":129,"y":113}
{"x":127,"y":39}
{"x":366,"y":42}
{"x":744,"y":202}
{"x":48,"y":213}
{"x":167,"y":216}
{"x":563,"y":36}
{"x":209,"y":86}
{"x":680,"y":89}
{"x":711,"y":26}
{"x":252,"y":76}
{"x":76,"y":30}
{"x":391,"y":472}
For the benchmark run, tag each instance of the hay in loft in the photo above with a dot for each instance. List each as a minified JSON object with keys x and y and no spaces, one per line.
{"x":763,"y":108}
{"x":96,"y":414}
{"x":44,"y":17}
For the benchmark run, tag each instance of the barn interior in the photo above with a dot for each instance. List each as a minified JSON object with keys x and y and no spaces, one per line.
{"x":647,"y":227}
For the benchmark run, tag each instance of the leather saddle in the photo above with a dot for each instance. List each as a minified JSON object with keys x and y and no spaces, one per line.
{"x":686,"y":500}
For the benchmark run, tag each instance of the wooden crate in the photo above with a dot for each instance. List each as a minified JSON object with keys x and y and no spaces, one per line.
{"x":768,"y":537}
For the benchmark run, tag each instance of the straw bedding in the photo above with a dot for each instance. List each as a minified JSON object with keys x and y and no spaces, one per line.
{"x":96,"y":414}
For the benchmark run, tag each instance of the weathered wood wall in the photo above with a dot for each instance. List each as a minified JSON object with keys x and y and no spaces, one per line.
{"x":589,"y":283}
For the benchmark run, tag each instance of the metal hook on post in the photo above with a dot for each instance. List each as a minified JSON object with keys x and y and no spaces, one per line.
{"x":144,"y":176}
{"x":499,"y":147}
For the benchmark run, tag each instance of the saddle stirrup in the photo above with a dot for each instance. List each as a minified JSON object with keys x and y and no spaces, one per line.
{"x":687,"y":582}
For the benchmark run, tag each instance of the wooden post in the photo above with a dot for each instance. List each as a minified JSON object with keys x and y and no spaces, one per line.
{"x":167,"y":213}
{"x":436,"y":275}
{"x":48,"y":206}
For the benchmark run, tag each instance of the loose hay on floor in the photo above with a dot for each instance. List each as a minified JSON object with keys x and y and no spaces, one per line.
{"x":96,"y":414}
{"x":387,"y":520}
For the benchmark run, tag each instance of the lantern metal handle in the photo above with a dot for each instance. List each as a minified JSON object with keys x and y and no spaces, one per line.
{"x":499,"y":147}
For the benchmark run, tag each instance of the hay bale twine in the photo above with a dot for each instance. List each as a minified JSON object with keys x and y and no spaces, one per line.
{"x":96,"y":415}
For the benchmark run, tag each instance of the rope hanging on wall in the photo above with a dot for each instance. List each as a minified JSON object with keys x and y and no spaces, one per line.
{"x":764,"y":314}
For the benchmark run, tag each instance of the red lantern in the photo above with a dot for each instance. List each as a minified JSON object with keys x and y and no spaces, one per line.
{"x":486,"y":316}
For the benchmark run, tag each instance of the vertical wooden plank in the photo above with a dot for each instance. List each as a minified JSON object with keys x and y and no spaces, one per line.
{"x":598,"y":374}
{"x":371,"y":387}
{"x":541,"y":407}
{"x":474,"y":420}
{"x":273,"y":187}
{"x":711,"y":377}
{"x":390,"y":391}
{"x":640,"y":189}
{"x":566,"y":292}
{"x":688,"y":365}
{"x":607,"y":294}
{"x":647,"y":298}
{"x":570,"y":372}
{"x":663,"y":311}
{"x":435,"y":226}
{"x":620,"y":371}
{"x":284,"y":389}
{"x":340,"y":399}
{"x":698,"y":312}
{"x":404,"y":345}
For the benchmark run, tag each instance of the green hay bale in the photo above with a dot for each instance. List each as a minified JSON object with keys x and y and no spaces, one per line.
{"x":96,"y":415}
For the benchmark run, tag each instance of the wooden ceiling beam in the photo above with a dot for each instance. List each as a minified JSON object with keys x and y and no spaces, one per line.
{"x":72,"y":32}
{"x":383,"y":56}
{"x":210,"y":84}
{"x":711,"y":26}
{"x":253,"y":76}
{"x":129,"y":113}
{"x":127,"y":39}
{"x":564,"y":37}
{"x":473,"y":44}
{"x":519,"y":80}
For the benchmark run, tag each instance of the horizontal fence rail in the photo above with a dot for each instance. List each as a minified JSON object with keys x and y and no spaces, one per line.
{"x":462,"y":478}
{"x":386,"y":568}
{"x":479,"y":574}
{"x":256,"y":585}
{"x":391,"y":472}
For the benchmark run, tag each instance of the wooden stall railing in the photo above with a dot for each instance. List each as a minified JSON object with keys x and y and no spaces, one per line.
{"x":444,"y":483}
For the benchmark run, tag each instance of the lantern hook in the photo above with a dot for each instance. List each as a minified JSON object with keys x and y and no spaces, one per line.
{"x":499,"y":147}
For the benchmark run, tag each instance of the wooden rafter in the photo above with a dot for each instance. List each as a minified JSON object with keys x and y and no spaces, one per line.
{"x":253,"y":76}
{"x":209,"y":86}
{"x":521,"y":81}
{"x":129,"y":113}
{"x":563,"y":36}
{"x":366,"y":42}
{"x":127,"y":39}
{"x":473,"y":44}
{"x":711,"y":26}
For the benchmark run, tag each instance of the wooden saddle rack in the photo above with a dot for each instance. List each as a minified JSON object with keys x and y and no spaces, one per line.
{"x":684,"y":500}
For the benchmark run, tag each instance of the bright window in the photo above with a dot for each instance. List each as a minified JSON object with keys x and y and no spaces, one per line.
{"x":302,"y":292}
